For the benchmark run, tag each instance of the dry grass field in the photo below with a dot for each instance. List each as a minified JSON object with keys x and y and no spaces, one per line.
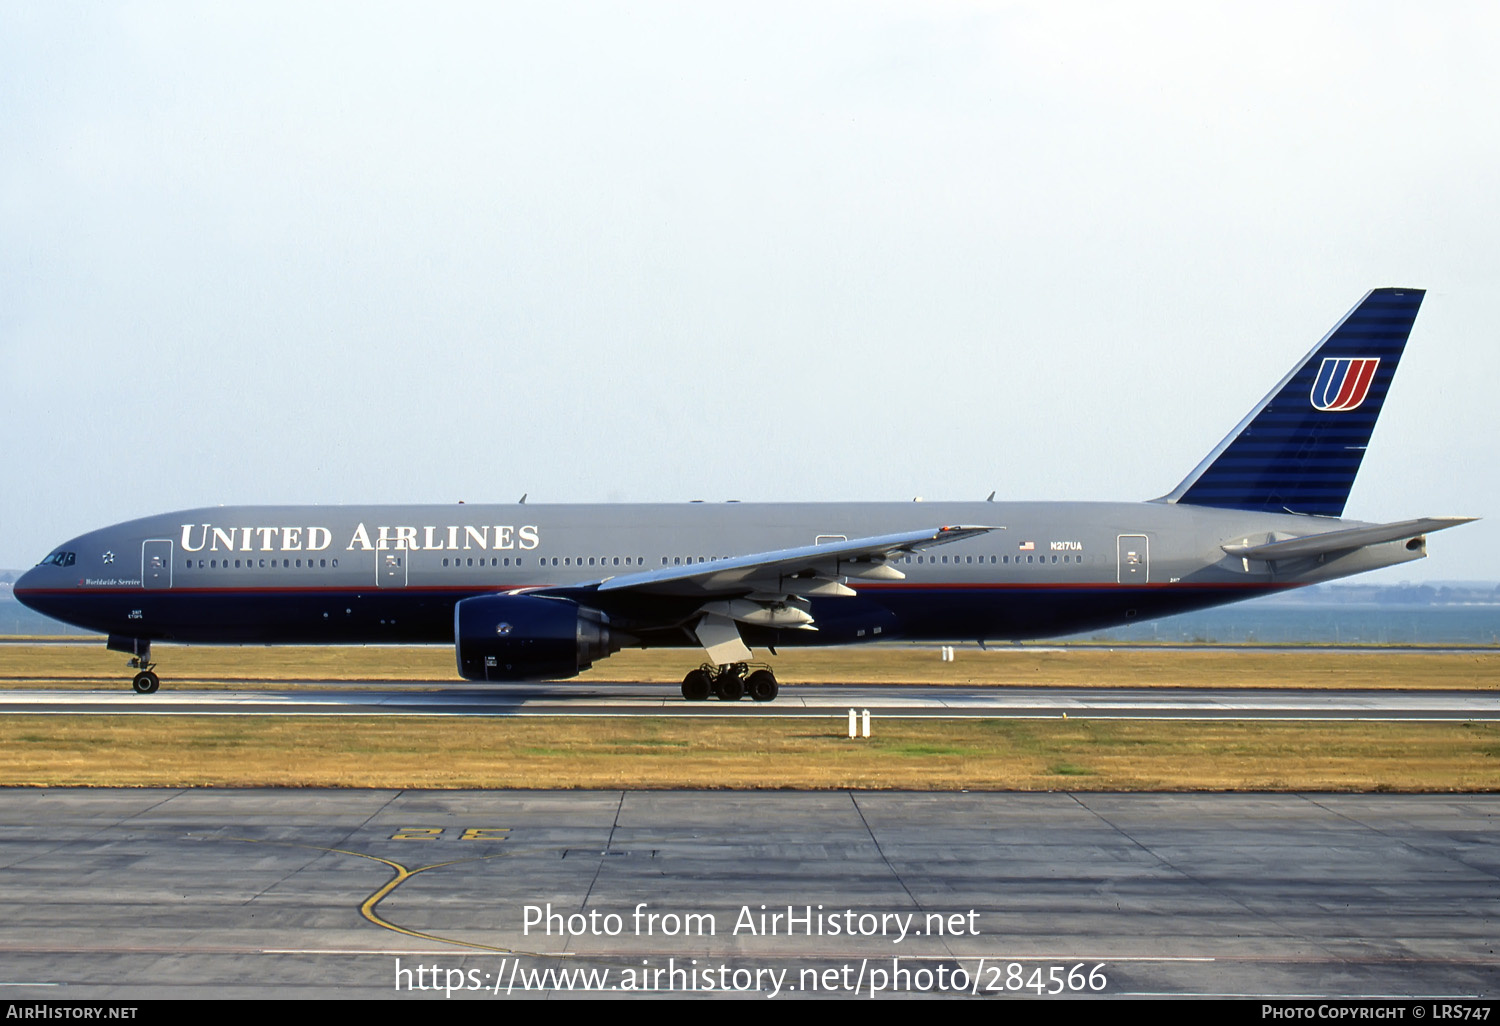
{"x":698,"y":752}
{"x":92,"y":666}
{"x":712,"y":752}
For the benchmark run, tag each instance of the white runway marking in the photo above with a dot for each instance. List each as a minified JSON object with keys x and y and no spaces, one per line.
{"x":629,"y":699}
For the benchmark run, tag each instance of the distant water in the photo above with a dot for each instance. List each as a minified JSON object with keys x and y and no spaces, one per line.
{"x":17,"y":619}
{"x":1333,"y":623}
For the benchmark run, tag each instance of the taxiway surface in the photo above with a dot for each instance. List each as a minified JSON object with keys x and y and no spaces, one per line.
{"x":210,"y":893}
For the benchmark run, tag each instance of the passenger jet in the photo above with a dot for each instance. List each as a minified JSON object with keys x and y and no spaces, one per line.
{"x":538,"y":592}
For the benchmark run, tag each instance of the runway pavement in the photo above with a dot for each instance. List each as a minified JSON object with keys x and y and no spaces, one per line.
{"x":634,"y":699}
{"x":128,"y":894}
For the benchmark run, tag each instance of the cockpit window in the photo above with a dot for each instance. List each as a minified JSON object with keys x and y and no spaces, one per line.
{"x":59,"y":559}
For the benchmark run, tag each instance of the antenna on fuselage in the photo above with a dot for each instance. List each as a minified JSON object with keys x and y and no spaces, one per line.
{"x":523,"y":498}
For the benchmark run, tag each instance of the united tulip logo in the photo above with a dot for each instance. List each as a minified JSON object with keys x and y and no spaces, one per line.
{"x":1343,"y":382}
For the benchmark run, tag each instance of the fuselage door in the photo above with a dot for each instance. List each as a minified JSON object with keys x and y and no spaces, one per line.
{"x":156,"y":565}
{"x":390,"y":568}
{"x":1135,"y":558}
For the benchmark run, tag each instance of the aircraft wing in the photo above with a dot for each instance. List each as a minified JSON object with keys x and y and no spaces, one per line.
{"x":1341,"y":541}
{"x":807,"y":570}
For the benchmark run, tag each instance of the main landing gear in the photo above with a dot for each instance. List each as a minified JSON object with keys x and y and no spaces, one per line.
{"x":730,"y":682}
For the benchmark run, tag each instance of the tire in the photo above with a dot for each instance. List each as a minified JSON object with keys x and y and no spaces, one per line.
{"x":762,"y":686}
{"x":146,"y":683}
{"x":731,"y":688}
{"x":696,"y":686}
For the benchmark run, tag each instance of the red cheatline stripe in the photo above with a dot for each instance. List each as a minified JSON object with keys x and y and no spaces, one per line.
{"x":503,"y":588}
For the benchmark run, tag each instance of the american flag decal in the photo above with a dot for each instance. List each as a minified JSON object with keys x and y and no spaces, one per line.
{"x":1027,"y":546}
{"x":1343,"y":382}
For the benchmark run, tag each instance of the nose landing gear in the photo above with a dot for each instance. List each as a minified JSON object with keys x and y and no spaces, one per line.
{"x":145,"y":682}
{"x":730,"y":682}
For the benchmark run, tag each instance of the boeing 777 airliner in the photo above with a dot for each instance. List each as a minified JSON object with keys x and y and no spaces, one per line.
{"x":533,"y":592}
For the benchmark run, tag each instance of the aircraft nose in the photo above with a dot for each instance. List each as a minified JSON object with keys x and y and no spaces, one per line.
{"x":25,"y":585}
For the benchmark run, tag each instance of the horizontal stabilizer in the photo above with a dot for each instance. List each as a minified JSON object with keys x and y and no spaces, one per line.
{"x":1342,"y":541}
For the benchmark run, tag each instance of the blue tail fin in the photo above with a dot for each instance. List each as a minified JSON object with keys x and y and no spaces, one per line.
{"x":1298,"y":451}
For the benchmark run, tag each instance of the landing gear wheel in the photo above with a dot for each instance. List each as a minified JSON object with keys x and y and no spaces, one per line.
{"x":762,"y":686}
{"x":146,"y":683}
{"x":730,"y":682}
{"x":696,"y":686}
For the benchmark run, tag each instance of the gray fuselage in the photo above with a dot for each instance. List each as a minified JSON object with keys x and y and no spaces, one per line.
{"x":393,"y":573}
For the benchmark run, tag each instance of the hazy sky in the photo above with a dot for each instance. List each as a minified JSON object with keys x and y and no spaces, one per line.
{"x":411,"y":252}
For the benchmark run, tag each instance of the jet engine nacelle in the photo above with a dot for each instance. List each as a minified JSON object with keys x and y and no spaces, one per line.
{"x":523,"y":637}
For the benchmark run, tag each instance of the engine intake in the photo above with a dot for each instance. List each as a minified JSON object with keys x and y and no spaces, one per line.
{"x":525,"y":637}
